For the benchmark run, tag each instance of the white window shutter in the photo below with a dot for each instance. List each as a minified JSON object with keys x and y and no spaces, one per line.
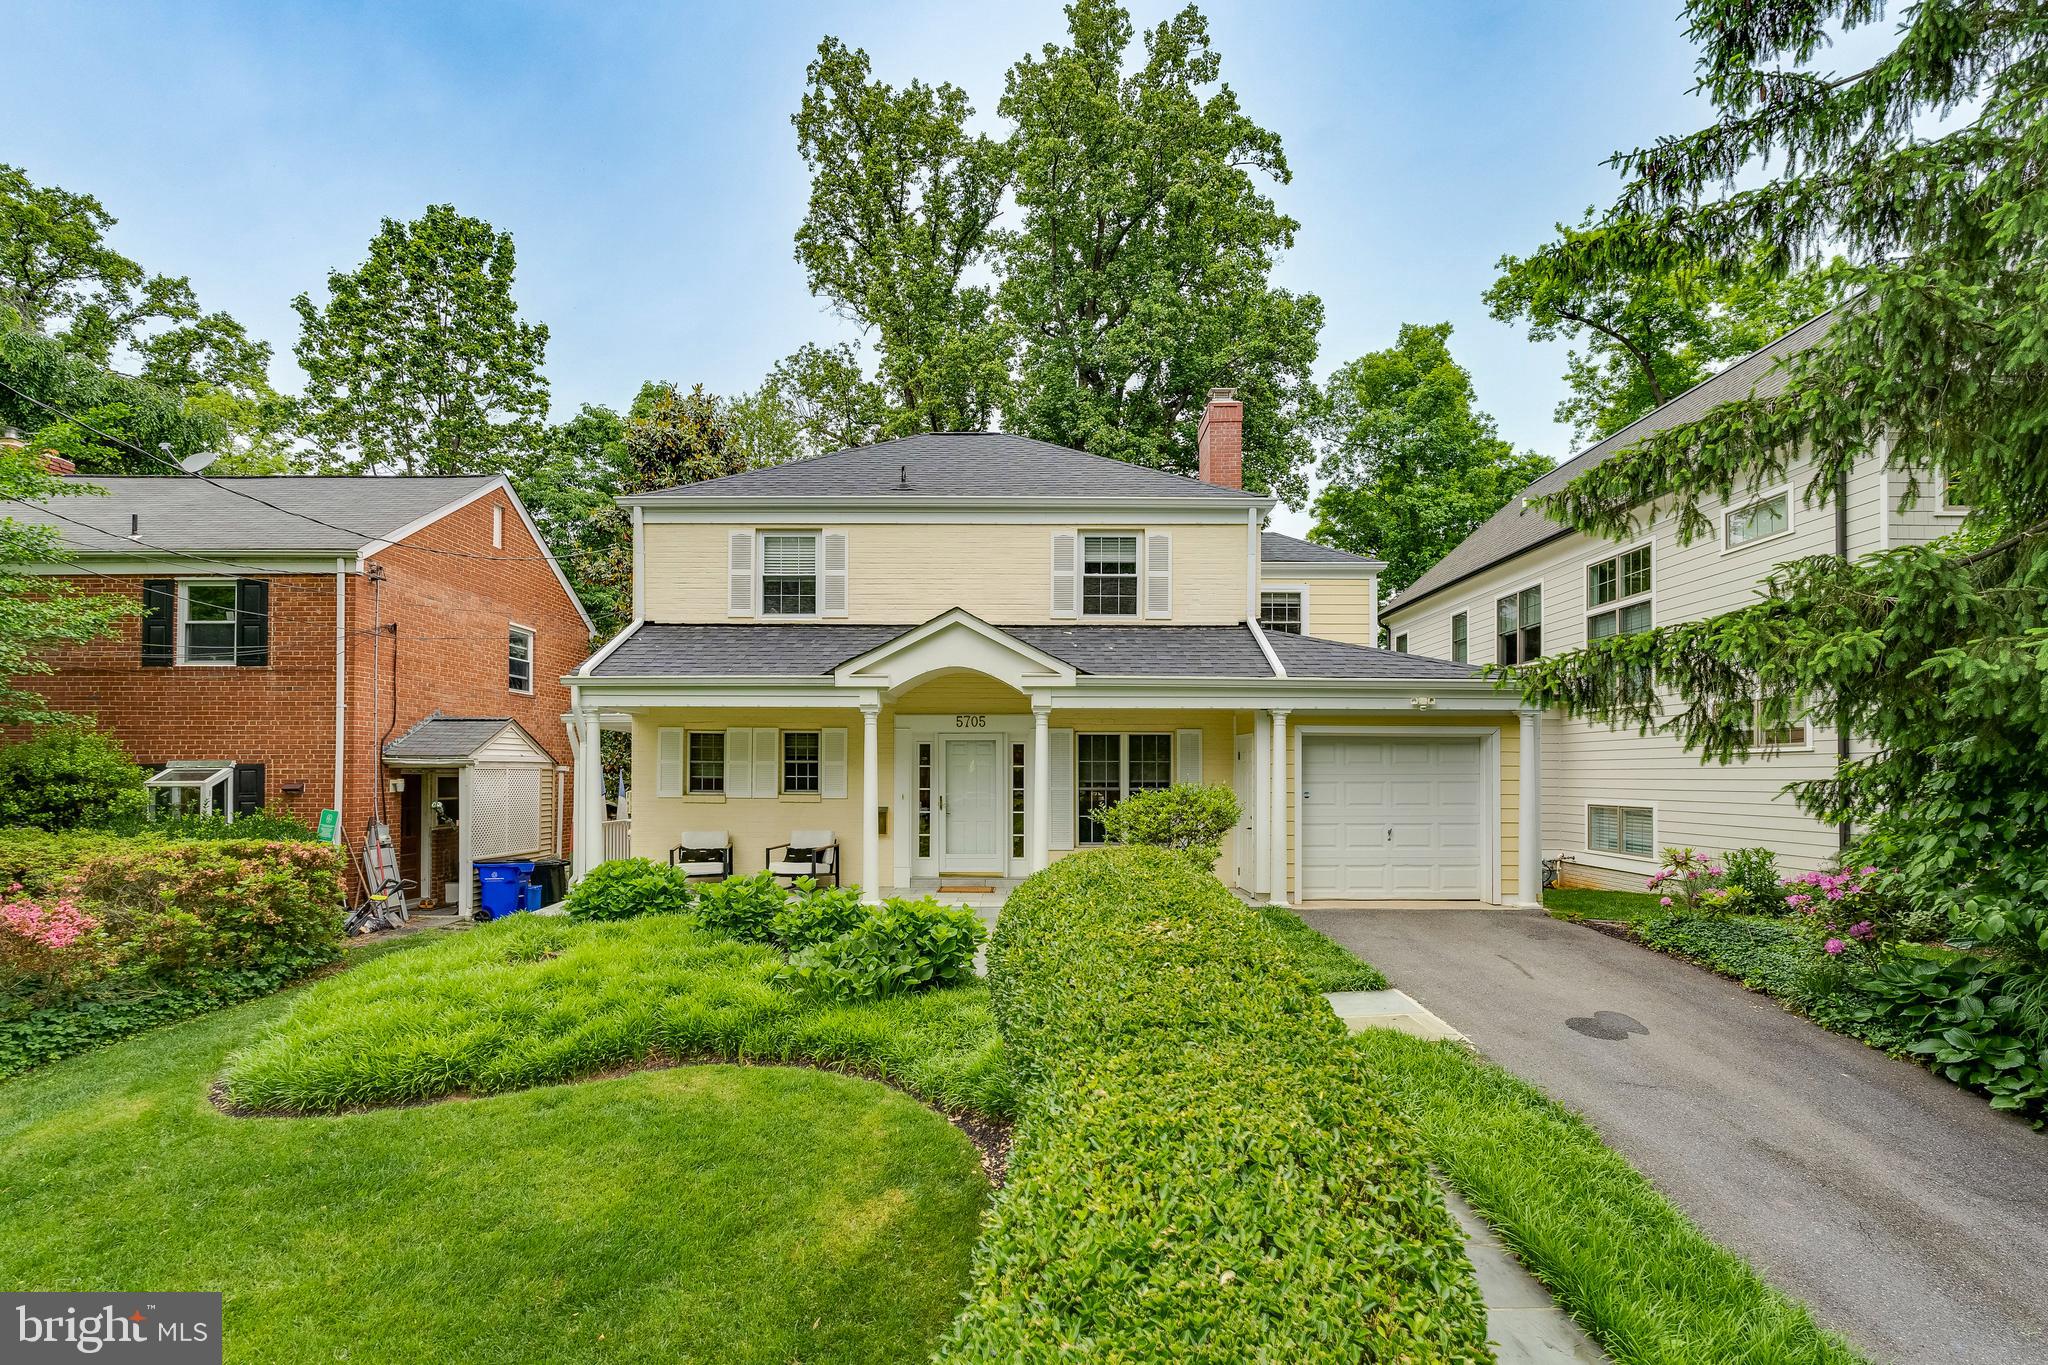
{"x":1187,"y":764}
{"x":832,"y":575}
{"x":1065,"y":578}
{"x":739,"y":568}
{"x":767,"y":762}
{"x":832,"y":763}
{"x":739,"y":762}
{"x":1158,"y":575}
{"x":1059,"y":787}
{"x":668,"y":762}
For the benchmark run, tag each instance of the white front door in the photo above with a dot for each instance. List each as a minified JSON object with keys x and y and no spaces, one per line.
{"x":971,"y":808}
{"x":1393,"y":819}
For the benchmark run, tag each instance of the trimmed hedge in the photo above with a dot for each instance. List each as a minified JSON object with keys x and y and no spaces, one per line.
{"x":1203,"y":1169}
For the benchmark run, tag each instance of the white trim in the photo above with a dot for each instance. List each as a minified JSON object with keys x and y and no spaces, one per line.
{"x":1299,"y":588}
{"x":1489,"y":758}
{"x":889,"y":507}
{"x":1266,"y":648}
{"x":1618,"y":805}
{"x":1138,"y":538}
{"x":639,"y":568}
{"x":497,"y":528}
{"x":817,"y":539}
{"x":532,"y":658}
{"x":179,"y":622}
{"x":1586,"y":567}
{"x":604,"y":651}
{"x":1286,"y":568}
{"x":1761,"y":495}
{"x":392,"y":538}
{"x":1493,"y":599}
{"x":1058,"y":672}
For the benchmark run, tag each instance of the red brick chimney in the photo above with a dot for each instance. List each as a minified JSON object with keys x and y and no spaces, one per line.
{"x":10,"y":439}
{"x":1219,"y":446}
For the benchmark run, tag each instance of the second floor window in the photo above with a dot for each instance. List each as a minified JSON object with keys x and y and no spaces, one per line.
{"x":1280,"y":611}
{"x":1460,"y":646}
{"x":1760,"y":520}
{"x":519,"y":660}
{"x":801,"y":754}
{"x":1109,"y":575}
{"x":206,"y":621}
{"x":789,"y":575}
{"x":1401,"y":644}
{"x":1519,"y":626}
{"x":1618,"y":595}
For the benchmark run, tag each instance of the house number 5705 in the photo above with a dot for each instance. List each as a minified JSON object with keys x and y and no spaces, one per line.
{"x":970,"y":722}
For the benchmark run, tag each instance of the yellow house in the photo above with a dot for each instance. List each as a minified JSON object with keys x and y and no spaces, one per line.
{"x":944,"y":654}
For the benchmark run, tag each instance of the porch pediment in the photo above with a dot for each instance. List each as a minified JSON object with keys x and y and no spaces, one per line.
{"x":953,"y":643}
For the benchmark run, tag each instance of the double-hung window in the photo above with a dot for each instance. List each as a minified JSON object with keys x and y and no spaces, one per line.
{"x":706,"y":762}
{"x":802,"y":754}
{"x":1109,"y":574}
{"x":519,"y":659}
{"x":1627,"y":830}
{"x":1109,"y":767}
{"x":1519,"y":626}
{"x":1767,"y":516}
{"x":1401,"y":643}
{"x":1618,"y":595}
{"x":206,"y":621}
{"x":1460,"y":646}
{"x":1280,"y":612}
{"x":789,"y":573}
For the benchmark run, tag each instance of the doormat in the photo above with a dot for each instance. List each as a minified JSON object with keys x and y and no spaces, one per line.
{"x":965,"y":889}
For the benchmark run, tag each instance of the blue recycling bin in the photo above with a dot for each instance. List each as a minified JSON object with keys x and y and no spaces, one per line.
{"x":505,"y":889}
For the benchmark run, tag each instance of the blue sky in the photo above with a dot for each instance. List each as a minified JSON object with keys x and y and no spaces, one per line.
{"x":643,"y":159}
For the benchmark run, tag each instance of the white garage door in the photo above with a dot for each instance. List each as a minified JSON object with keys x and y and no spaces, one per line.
{"x":1393,"y":819}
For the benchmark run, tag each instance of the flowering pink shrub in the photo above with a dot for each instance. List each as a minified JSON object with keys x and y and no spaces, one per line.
{"x":46,"y":946}
{"x":1840,"y":911}
{"x":1684,"y":880}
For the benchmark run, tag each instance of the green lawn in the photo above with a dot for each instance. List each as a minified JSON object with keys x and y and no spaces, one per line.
{"x":1328,"y":965}
{"x":532,"y":1001}
{"x":1578,"y":904}
{"x":1629,"y":1266}
{"x":715,"y":1213}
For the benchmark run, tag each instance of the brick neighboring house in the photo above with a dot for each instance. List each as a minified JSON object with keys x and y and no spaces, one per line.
{"x":244,"y":687}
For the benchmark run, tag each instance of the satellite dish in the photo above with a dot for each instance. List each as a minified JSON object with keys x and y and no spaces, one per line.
{"x":192,"y":464}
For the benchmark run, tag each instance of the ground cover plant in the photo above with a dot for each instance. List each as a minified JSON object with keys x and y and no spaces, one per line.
{"x":705,"y":1214}
{"x":1630,"y":1267}
{"x":536,"y":1000}
{"x":103,"y":935}
{"x":1203,"y":1170}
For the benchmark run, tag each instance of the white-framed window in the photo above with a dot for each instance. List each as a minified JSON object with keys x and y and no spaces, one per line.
{"x":705,"y":763}
{"x":191,"y":788}
{"x":1630,"y":831}
{"x":1794,"y":734}
{"x":1518,"y":626}
{"x":1108,"y":767}
{"x":1281,"y":610}
{"x":1016,"y":799}
{"x":1949,"y":498}
{"x":1401,"y":643}
{"x":1764,"y":517}
{"x":1460,"y":643}
{"x":802,"y":761}
{"x":1109,"y":573}
{"x":519,"y":659}
{"x":789,"y":573}
{"x":206,"y":621}
{"x":1618,"y":597}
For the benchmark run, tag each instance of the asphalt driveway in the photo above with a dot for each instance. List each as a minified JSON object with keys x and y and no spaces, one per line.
{"x":1909,"y":1215}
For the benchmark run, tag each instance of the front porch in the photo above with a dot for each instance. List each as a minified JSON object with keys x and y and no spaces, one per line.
{"x":957,"y":755}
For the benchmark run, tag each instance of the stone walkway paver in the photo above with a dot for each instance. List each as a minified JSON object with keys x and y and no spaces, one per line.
{"x":1523,"y":1322}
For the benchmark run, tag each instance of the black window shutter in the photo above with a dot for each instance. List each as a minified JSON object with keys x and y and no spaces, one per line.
{"x":248,"y":789}
{"x":252,"y":622}
{"x":159,"y":622}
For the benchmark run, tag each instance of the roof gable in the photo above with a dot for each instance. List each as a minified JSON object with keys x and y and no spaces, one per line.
{"x":955,"y":464}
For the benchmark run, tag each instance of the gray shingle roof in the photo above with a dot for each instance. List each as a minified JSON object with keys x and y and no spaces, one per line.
{"x":956,"y":464}
{"x":1275,"y":548}
{"x":1516,"y":528}
{"x":448,"y":737}
{"x":1305,"y":656}
{"x":809,"y":650}
{"x":193,"y":514}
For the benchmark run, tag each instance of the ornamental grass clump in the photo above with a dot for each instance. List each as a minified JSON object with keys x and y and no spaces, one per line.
{"x":1202,"y":1170}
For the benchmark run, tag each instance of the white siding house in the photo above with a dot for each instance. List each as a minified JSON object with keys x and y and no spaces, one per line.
{"x":1523,"y":584}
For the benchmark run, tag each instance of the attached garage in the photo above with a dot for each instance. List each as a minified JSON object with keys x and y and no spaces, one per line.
{"x":1396,"y":817}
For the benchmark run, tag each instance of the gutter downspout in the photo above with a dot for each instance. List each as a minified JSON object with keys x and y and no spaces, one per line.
{"x":1844,"y":831}
{"x":340,"y":684}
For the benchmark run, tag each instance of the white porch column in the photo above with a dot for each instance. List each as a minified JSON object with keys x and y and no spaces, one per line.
{"x":465,"y":844}
{"x":589,"y":851}
{"x":1529,"y":833}
{"x":870,"y":802}
{"x":1261,"y":797}
{"x":1277,"y":818}
{"x":1039,"y":849}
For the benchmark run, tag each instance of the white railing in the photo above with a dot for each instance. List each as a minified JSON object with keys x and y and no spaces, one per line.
{"x":618,"y":839}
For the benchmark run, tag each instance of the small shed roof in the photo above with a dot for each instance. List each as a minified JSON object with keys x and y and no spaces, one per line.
{"x":454,"y":738}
